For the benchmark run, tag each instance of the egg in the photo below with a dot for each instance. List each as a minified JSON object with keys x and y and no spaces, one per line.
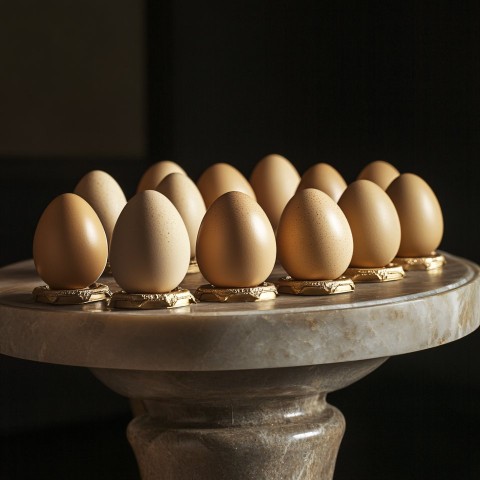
{"x":69,"y":246}
{"x":235,"y":243}
{"x":274,"y":181}
{"x":104,"y":195}
{"x":420,"y":215}
{"x":374,"y":223}
{"x":150,"y":249}
{"x":324,"y":177}
{"x":380,"y":172}
{"x":220,"y":178}
{"x":156,"y":173}
{"x":187,"y":199}
{"x":314,"y":239}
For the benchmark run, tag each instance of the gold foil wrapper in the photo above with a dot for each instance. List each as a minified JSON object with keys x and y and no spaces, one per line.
{"x":94,"y":293}
{"x":388,"y":273}
{"x":292,"y":286}
{"x":430,"y":262}
{"x":180,"y":297}
{"x":210,"y":293}
{"x":193,"y":267}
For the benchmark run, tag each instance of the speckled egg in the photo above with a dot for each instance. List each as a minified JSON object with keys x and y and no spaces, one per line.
{"x":420,"y":215}
{"x":69,"y":246}
{"x":380,"y":172}
{"x":187,"y":199}
{"x":220,"y":178}
{"x":150,"y":249}
{"x":314,"y":238}
{"x":274,"y":181}
{"x":374,"y":223}
{"x":104,"y":195}
{"x":156,"y":173}
{"x":324,"y":177}
{"x":235,"y":243}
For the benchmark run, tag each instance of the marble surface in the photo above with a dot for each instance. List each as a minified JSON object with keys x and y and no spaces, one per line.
{"x":424,"y":310}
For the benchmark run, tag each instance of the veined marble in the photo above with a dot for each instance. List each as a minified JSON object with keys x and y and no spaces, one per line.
{"x":424,"y":310}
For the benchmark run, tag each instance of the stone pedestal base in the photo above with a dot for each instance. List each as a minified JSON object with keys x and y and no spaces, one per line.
{"x":282,"y":447}
{"x":268,"y":424}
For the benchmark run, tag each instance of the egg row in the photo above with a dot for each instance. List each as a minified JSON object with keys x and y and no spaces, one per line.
{"x":322,"y":225}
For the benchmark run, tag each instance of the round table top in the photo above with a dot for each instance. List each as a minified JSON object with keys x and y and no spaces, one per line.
{"x":424,"y":310}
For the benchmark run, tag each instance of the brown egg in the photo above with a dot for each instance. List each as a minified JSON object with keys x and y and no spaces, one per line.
{"x":274,"y":180}
{"x":236,"y":244}
{"x":150,"y":250}
{"x":220,"y":178}
{"x":380,"y":172}
{"x":156,"y":173}
{"x":187,"y":199}
{"x":374,"y":223}
{"x":104,"y":195}
{"x":325,"y":178}
{"x":314,"y":238}
{"x":420,"y":215}
{"x":70,"y":246}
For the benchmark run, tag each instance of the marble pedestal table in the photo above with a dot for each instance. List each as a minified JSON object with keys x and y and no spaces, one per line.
{"x":238,"y":391}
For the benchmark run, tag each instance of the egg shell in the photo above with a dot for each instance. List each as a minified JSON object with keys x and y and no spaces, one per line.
{"x":221,"y":178}
{"x":314,"y":238}
{"x":420,"y":215}
{"x":374,"y":223}
{"x":104,"y":195}
{"x":69,"y":246}
{"x":150,"y":250}
{"x":380,"y":172}
{"x":324,"y":177}
{"x":274,"y":181}
{"x":187,"y":199}
{"x":235,"y":243}
{"x":156,"y":173}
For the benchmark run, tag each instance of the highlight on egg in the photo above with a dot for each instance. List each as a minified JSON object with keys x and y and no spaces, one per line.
{"x":236,"y":243}
{"x":313,"y":237}
{"x":156,"y":173}
{"x":374,"y":223}
{"x":274,"y":181}
{"x":380,"y":172}
{"x":104,"y":195}
{"x":70,"y":245}
{"x":324,"y":177}
{"x":221,"y":178}
{"x":187,"y":199}
{"x":150,"y":249}
{"x":420,"y":215}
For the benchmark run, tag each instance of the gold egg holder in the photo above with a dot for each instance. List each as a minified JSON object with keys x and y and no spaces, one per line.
{"x":94,"y":293}
{"x":210,"y":293}
{"x":430,"y":262}
{"x":293,"y":286}
{"x":179,"y":297}
{"x":389,"y":273}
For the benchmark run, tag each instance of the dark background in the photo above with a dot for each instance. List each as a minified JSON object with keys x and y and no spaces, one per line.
{"x":117,"y":85}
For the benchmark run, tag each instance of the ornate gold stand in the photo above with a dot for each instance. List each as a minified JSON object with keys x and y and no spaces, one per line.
{"x":430,"y":262}
{"x":95,"y":293}
{"x":314,"y":287}
{"x":180,"y":297}
{"x":383,"y":274}
{"x":210,"y":293}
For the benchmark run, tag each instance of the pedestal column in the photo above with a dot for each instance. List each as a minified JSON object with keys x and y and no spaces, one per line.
{"x":267,"y":424}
